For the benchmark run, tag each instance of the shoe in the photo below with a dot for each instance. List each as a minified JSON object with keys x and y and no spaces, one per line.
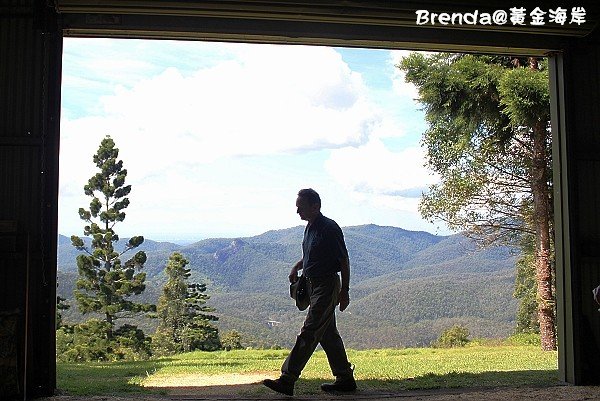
{"x":345,"y":384}
{"x":280,"y":386}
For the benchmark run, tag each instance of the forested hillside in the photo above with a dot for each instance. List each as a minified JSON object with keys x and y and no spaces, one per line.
{"x":406,"y":286}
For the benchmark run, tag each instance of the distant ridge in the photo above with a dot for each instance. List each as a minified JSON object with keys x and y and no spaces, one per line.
{"x":406,"y":285}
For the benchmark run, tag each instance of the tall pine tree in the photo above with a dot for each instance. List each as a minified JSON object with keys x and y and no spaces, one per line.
{"x":105,"y":285}
{"x":489,"y":142}
{"x":184,"y":318}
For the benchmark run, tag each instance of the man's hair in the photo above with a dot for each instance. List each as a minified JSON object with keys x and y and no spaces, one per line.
{"x":310,"y":195}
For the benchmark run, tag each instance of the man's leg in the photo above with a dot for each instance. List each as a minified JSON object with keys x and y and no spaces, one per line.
{"x":336,"y":353}
{"x":320,"y":315}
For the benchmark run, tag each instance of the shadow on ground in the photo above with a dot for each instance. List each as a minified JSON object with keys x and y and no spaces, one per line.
{"x":450,"y":383}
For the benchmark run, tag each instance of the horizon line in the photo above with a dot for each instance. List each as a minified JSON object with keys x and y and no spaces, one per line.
{"x":190,"y":240}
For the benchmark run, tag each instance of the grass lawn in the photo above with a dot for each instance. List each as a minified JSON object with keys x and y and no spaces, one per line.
{"x":385,"y":370}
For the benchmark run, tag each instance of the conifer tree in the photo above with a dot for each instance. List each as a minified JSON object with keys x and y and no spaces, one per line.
{"x":61,"y":304}
{"x":105,"y":285}
{"x":489,"y":141}
{"x":184,"y":318}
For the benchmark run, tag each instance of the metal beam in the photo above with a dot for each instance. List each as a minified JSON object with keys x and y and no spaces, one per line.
{"x":280,"y":32}
{"x":372,"y":13}
{"x":369,"y":24}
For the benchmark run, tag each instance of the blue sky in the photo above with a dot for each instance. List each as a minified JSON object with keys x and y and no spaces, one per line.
{"x":217,"y":138}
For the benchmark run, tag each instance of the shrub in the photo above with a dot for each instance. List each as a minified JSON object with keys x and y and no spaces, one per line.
{"x":455,"y":336}
{"x":231,"y":340}
{"x":524,"y":339}
{"x":65,"y":339}
{"x":86,"y":342}
{"x":200,"y":335}
{"x":130,"y":343}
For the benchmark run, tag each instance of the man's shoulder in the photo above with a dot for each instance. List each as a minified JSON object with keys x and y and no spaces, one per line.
{"x":327,"y":223}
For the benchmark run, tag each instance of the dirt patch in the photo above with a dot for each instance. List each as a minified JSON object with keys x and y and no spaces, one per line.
{"x":232,"y":384}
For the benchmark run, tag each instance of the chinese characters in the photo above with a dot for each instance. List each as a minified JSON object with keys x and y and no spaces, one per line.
{"x":514,"y":16}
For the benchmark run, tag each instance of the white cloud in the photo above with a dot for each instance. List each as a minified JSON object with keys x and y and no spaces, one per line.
{"x":374,"y":174}
{"x":217,"y":138}
{"x":253,"y":100}
{"x":269,"y":100}
{"x":400,"y":86}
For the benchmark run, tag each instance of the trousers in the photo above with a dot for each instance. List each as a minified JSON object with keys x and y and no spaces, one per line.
{"x":319,"y":328}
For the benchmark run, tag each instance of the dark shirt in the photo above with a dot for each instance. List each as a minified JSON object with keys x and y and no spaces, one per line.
{"x":323,"y":248}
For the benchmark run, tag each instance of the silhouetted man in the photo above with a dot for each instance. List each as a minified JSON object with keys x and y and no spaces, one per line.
{"x":324,"y":255}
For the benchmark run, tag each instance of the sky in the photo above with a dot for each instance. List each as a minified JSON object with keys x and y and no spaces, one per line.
{"x":218,"y":138}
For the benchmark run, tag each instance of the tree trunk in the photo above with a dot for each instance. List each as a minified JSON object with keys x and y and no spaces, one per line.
{"x":541,"y":214}
{"x":541,"y":217}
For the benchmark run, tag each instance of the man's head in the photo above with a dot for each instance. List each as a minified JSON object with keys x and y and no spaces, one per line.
{"x":308,"y":204}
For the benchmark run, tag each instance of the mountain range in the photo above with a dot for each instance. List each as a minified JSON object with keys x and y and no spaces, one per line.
{"x":406,"y":286}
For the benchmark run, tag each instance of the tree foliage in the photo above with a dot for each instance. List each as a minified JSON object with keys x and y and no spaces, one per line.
{"x":88,"y":341}
{"x":184,"y":318}
{"x":61,"y":305}
{"x":476,"y":143}
{"x":526,"y":291}
{"x":488,"y":140}
{"x":231,"y":340}
{"x":455,"y":336}
{"x":105,"y":285}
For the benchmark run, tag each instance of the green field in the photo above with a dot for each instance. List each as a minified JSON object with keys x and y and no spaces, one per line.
{"x":384,"y":370}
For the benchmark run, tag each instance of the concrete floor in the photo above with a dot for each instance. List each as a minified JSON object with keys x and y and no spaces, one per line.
{"x":554,"y":393}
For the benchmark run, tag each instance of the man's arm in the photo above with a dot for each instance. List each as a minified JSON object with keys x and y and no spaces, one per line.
{"x":344,"y":297}
{"x":294,"y":272}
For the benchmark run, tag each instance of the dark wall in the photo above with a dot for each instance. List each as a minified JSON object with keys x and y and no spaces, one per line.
{"x":582,"y":104}
{"x":30,"y":57}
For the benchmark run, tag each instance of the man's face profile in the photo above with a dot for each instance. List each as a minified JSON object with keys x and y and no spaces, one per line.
{"x":305,"y":209}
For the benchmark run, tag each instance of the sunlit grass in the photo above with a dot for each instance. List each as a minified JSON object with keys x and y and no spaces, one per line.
{"x":376,"y":370}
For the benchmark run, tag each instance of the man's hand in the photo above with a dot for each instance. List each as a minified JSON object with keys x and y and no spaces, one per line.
{"x":293,"y":277}
{"x":344,"y":299}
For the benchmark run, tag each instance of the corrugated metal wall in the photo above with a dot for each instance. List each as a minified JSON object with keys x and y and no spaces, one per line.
{"x":582,"y":76}
{"x":29,"y":115}
{"x":20,"y":73}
